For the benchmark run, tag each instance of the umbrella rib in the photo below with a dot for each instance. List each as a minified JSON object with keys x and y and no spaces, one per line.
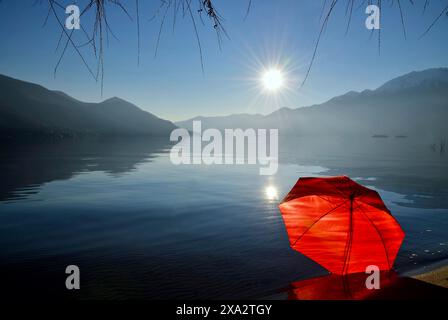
{"x":314,"y":194}
{"x":320,"y":218}
{"x":349,"y":241}
{"x":364,"y":194}
{"x":348,"y":244}
{"x":379,"y":233}
{"x":322,"y":198}
{"x":332,"y":186}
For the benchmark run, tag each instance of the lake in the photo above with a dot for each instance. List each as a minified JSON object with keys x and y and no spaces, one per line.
{"x":140,"y":227}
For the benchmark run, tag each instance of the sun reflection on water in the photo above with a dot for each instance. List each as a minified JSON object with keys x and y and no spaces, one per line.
{"x":271,"y":193}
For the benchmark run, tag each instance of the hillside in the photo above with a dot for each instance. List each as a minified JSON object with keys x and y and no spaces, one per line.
{"x":27,"y":109}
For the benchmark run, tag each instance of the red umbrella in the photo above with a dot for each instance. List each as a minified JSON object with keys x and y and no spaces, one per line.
{"x":341,"y":225}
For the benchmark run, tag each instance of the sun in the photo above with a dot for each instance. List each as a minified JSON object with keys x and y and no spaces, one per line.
{"x":273,"y":80}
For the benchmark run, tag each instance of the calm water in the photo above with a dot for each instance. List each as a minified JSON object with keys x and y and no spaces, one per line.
{"x":140,"y":227}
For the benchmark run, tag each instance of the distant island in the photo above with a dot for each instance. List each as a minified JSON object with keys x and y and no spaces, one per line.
{"x":29,"y":110}
{"x":413,"y":105}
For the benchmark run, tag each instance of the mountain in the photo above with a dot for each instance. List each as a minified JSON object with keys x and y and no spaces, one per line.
{"x":429,"y":77}
{"x":415,"y":104}
{"x":28,"y":109}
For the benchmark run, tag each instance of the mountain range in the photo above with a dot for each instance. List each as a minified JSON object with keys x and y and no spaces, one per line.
{"x":30,"y":110}
{"x":415,"y":104}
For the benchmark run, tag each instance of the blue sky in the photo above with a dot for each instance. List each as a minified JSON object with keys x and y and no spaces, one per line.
{"x":276,"y":33}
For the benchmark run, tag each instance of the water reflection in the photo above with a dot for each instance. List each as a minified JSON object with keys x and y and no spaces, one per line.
{"x":271,"y":193}
{"x":336,"y":287}
{"x":353,"y":287}
{"x":408,"y":167}
{"x":24,"y":168}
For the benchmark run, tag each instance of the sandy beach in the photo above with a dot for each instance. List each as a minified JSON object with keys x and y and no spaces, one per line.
{"x":437,"y":277}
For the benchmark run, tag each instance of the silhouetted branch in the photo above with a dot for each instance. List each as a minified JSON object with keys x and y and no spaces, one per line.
{"x":191,"y":9}
{"x":326,"y":13}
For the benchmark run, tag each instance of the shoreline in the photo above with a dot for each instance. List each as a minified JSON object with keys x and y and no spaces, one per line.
{"x":434,"y":273}
{"x":438,"y":276}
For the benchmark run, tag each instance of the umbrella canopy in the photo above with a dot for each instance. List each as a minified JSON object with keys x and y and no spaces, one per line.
{"x":341,"y":225}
